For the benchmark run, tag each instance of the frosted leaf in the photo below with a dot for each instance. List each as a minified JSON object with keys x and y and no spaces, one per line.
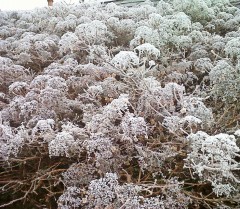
{"x":151,"y":63}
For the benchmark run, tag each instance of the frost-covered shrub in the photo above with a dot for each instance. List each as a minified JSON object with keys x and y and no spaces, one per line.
{"x":117,"y":87}
{"x":102,"y":191}
{"x":125,"y":59}
{"x":203,"y":65}
{"x":199,"y":10}
{"x":69,"y":24}
{"x":44,"y":129}
{"x":65,"y":143}
{"x":44,"y":47}
{"x":186,"y":124}
{"x":122,"y":29}
{"x":99,"y":99}
{"x":11,"y":140}
{"x":182,"y":41}
{"x":232,"y":48}
{"x":103,"y":123}
{"x":10,"y":72}
{"x":101,"y":148}
{"x":148,"y":51}
{"x":94,"y":32}
{"x":142,"y":12}
{"x":68,"y":43}
{"x":145,"y":34}
{"x":107,"y":192}
{"x":195,"y":107}
{"x":212,"y":158}
{"x":164,"y":8}
{"x":158,"y":100}
{"x":133,"y":127}
{"x":69,"y":199}
{"x":18,"y":88}
{"x":225,"y":82}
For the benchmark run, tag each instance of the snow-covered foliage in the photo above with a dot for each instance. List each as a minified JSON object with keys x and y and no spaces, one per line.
{"x":106,"y":106}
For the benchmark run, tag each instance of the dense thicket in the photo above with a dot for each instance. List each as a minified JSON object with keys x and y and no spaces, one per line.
{"x":103,"y":106}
